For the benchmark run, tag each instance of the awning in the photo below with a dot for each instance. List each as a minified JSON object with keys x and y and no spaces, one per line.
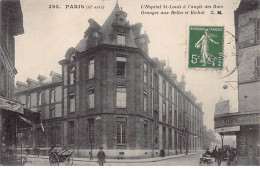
{"x":11,"y":105}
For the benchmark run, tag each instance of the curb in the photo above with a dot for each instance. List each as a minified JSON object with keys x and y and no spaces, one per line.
{"x":126,"y":160}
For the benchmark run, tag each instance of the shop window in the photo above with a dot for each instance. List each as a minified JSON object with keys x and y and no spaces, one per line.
{"x":121,"y":66}
{"x":91,"y":69}
{"x":121,"y":97}
{"x":91,"y":98}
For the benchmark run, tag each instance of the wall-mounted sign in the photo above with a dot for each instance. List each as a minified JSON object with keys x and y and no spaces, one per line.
{"x":227,"y":129}
{"x":237,"y":120}
{"x":222,"y":107}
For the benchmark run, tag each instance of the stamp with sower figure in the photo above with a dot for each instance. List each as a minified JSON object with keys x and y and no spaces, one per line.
{"x":206,"y":47}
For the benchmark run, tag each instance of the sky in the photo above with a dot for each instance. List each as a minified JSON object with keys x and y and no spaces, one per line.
{"x":49,"y":33}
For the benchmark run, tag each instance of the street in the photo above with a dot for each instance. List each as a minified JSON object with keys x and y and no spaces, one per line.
{"x":190,"y":160}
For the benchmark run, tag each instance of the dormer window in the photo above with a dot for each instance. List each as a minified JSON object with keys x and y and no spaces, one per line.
{"x":72,"y":57}
{"x":121,"y":39}
{"x":72,"y":75}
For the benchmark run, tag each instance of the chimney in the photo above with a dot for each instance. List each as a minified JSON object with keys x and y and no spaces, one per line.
{"x":31,"y":83}
{"x":200,"y":105}
{"x":41,"y":79}
{"x":21,"y":86}
{"x":174,"y":77}
{"x":182,"y":83}
{"x":56,"y":77}
{"x":168,"y":71}
{"x":162,"y":63}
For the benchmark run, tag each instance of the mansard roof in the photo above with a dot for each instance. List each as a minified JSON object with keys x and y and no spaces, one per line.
{"x":105,"y":34}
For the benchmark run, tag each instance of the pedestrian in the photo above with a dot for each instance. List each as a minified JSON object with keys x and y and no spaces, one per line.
{"x":101,"y":157}
{"x":214,"y":154}
{"x":219,"y":156}
{"x":162,"y":153}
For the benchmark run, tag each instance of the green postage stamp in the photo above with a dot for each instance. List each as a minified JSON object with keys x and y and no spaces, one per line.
{"x":206,"y":47}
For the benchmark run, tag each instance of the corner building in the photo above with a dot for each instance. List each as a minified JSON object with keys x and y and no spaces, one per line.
{"x":116,"y":96}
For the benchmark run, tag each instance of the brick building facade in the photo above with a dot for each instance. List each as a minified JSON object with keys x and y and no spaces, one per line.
{"x":114,"y":95}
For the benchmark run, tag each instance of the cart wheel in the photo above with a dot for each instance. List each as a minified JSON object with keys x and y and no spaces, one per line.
{"x":69,"y":161}
{"x":53,"y":159}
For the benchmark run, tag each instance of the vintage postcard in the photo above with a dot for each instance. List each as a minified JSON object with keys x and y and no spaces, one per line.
{"x":130,"y":83}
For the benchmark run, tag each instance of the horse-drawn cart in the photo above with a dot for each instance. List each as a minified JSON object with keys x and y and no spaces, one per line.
{"x":61,"y":155}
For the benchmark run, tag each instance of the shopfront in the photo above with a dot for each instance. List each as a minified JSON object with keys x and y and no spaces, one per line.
{"x":13,"y":117}
{"x":246,"y":129}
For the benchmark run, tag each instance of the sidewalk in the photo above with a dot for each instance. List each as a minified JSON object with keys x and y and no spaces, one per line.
{"x":146,"y":160}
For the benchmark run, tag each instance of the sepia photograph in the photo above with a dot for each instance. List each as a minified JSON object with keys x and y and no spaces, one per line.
{"x":129,"y":83}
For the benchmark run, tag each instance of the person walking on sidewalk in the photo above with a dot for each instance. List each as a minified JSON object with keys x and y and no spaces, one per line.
{"x":101,"y":157}
{"x":219,"y":156}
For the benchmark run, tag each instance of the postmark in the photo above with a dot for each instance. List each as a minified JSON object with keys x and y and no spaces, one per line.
{"x":206,"y":47}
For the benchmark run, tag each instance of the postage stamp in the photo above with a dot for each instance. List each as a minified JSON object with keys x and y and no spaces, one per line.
{"x":206,"y":47}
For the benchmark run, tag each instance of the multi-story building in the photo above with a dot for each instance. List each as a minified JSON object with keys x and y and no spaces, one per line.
{"x":245,"y":123}
{"x":46,"y":99}
{"x":11,"y":25}
{"x":114,"y":95}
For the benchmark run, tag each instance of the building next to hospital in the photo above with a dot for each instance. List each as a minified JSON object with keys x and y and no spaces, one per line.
{"x":246,"y":122}
{"x":112,"y":94}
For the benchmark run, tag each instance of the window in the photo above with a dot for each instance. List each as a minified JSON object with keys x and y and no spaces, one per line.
{"x":170,"y":138}
{"x":145,"y":133}
{"x":91,"y":69}
{"x":170,"y":94}
{"x":39,"y":98}
{"x":121,"y":97}
{"x":72,"y":75}
{"x":175,"y":117}
{"x":91,"y":130}
{"x":156,"y":87}
{"x":121,"y":66}
{"x":72,"y":102}
{"x":55,"y":135}
{"x":71,"y":132}
{"x":175,"y":139}
{"x":145,"y":73}
{"x":156,"y":120}
{"x":164,"y":137}
{"x":164,"y":111}
{"x":52,"y":113}
{"x":121,"y":39}
{"x":258,"y":30}
{"x":40,"y":137}
{"x":164,"y":88}
{"x":258,"y":67}
{"x":170,"y":115}
{"x":121,"y":133}
{"x":91,"y":98}
{"x":52,"y":96}
{"x":145,"y":102}
{"x":28,"y":101}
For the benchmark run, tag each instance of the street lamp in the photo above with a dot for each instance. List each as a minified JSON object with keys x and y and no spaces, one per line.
{"x":222,"y":137}
{"x":227,"y":83}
